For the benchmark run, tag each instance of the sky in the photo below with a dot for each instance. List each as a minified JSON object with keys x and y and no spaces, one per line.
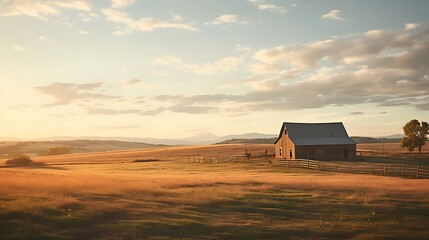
{"x":205,"y":68}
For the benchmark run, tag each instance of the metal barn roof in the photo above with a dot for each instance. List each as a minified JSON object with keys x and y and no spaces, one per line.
{"x":316,"y":133}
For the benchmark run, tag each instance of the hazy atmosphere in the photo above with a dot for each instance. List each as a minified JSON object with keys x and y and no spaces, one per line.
{"x":177,"y":69}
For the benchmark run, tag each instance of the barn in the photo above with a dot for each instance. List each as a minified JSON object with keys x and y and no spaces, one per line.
{"x":319,"y":141}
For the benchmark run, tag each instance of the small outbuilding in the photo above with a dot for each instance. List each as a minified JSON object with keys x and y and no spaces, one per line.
{"x":318,"y":141}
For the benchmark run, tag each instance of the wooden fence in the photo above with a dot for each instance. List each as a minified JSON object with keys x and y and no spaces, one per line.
{"x":218,"y":159}
{"x":412,"y":156}
{"x":387,"y":169}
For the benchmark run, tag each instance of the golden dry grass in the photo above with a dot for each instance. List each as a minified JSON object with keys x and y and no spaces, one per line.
{"x":174,"y":199}
{"x":388,"y":147}
{"x":170,"y":153}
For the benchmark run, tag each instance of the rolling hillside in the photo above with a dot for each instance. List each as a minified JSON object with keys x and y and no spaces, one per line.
{"x":77,"y":146}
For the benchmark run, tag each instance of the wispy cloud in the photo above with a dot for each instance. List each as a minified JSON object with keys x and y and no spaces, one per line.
{"x":68,"y":93}
{"x":333,"y":15}
{"x":83,"y":32}
{"x":121,"y":3}
{"x":44,"y":39}
{"x":87,"y":17}
{"x":110,"y":127}
{"x":132,"y":81}
{"x":176,"y":17}
{"x":411,"y":26}
{"x":228,"y":19}
{"x":145,"y":24}
{"x":220,"y":66}
{"x":108,"y":111}
{"x":41,"y":8}
{"x":262,"y":5}
{"x":17,"y":47}
{"x":81,"y":5}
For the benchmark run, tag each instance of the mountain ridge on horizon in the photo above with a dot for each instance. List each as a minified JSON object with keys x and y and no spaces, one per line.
{"x":171,"y":141}
{"x":149,"y":140}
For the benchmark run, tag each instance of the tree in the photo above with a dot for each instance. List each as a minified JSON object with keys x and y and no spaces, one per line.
{"x":415,"y":135}
{"x":58,"y":151}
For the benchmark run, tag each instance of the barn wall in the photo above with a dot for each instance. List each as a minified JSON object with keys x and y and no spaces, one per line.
{"x":277,"y":148}
{"x":286,"y":144}
{"x":327,"y":152}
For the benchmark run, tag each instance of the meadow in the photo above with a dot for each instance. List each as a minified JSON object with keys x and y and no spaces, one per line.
{"x":156,"y":193}
{"x":35,"y":148}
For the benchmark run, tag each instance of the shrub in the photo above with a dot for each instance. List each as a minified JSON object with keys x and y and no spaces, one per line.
{"x":19,"y":160}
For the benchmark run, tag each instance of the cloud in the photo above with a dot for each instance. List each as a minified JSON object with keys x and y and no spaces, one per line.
{"x":87,"y":17}
{"x":376,"y":46}
{"x":228,"y":19}
{"x":333,"y":15}
{"x":17,"y":47}
{"x":116,"y":127}
{"x":107,"y":111}
{"x":380,"y":67}
{"x":68,"y":93}
{"x":44,"y":39}
{"x":357,"y":113}
{"x":268,"y":7}
{"x":110,"y":111}
{"x":220,"y":66}
{"x":385,"y":68}
{"x":193,"y":109}
{"x":41,"y":8}
{"x":145,"y":24}
{"x":176,"y":17}
{"x":74,"y":4}
{"x":121,"y":3}
{"x":132,"y":81}
{"x":83,"y":32}
{"x":411,"y":26}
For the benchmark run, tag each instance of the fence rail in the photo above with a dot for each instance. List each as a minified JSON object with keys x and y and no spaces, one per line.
{"x":218,"y":159}
{"x":398,"y":155}
{"x":387,"y":169}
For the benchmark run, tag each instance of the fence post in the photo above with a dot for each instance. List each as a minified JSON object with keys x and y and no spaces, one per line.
{"x":417,"y":172}
{"x":384,"y":168}
{"x":337,"y":167}
{"x":318,"y":167}
{"x":308,"y":163}
{"x":402,"y":170}
{"x":350,"y":167}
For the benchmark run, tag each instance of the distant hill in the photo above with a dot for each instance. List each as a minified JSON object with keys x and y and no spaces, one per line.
{"x":394,"y":136}
{"x":256,"y":138}
{"x":196,"y":140}
{"x":272,"y":140}
{"x":375,"y":140}
{"x":77,"y":146}
{"x":249,"y":141}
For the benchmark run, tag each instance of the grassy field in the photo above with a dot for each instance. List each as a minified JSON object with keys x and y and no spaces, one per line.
{"x":388,"y":147}
{"x":111,"y":196}
{"x":34,"y":148}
